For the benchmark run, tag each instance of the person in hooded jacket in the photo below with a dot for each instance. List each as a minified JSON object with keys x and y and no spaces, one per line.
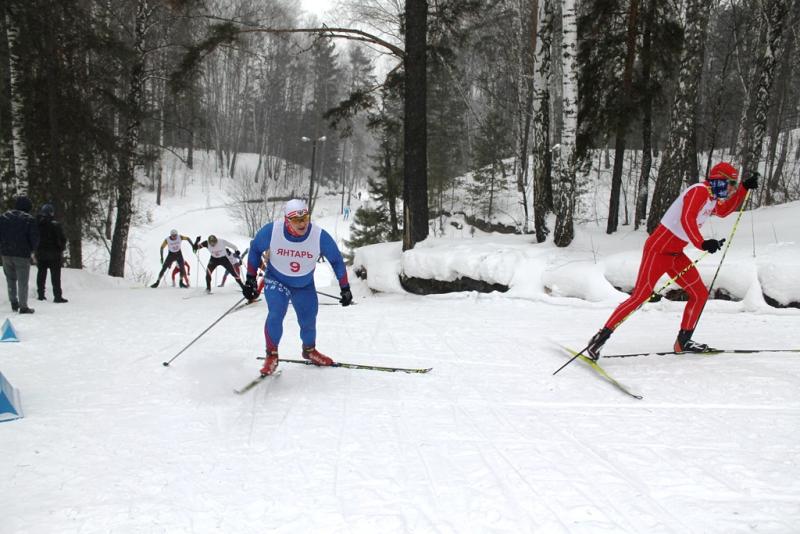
{"x":49,"y":253}
{"x":19,"y":236}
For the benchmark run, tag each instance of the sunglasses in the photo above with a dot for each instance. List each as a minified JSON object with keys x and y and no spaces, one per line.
{"x":300,"y":218}
{"x":733,"y":183}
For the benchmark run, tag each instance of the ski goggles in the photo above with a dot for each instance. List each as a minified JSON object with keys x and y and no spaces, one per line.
{"x":299,"y":217}
{"x":720,"y":187}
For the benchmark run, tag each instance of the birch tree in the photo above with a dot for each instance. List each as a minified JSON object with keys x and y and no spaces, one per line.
{"x":567,"y":154}
{"x":773,"y":14}
{"x":542,"y":183}
{"x":526,"y":23}
{"x":19,"y":157}
{"x":127,"y":163}
{"x":679,"y":159}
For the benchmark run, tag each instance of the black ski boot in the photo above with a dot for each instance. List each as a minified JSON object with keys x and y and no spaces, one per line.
{"x":597,"y":342}
{"x":684,"y":343}
{"x":155,"y":285}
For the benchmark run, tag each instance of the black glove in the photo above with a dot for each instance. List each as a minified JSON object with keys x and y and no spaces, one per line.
{"x":250,"y":290}
{"x":347,"y":296}
{"x":752,"y":181}
{"x":712,"y":245}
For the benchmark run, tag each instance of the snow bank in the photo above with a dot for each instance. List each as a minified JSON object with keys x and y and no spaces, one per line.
{"x":596,"y":264}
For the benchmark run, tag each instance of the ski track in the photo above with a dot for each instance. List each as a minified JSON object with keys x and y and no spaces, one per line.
{"x":489,"y":441}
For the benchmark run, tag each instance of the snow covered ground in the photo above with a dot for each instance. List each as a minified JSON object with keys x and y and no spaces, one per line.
{"x":488,"y":441}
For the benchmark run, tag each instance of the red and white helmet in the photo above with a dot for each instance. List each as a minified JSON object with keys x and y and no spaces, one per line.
{"x":723,"y":171}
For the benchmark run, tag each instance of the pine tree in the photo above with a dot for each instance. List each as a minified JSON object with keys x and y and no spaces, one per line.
{"x":370,"y":226}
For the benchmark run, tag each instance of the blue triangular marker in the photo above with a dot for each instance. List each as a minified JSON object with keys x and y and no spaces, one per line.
{"x":10,"y":405}
{"x":7,"y":332}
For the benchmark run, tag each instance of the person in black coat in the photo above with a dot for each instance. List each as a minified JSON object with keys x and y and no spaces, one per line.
{"x":49,"y":253}
{"x":19,"y":236}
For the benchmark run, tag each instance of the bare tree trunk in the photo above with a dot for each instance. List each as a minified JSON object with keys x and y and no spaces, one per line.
{"x":415,"y":131}
{"x":542,"y":192}
{"x":161,"y":129}
{"x":20,"y":162}
{"x":677,"y":165}
{"x":647,"y":119}
{"x":622,"y":118}
{"x":567,"y":153}
{"x":526,"y":64}
{"x":127,"y":165}
{"x":774,"y":13}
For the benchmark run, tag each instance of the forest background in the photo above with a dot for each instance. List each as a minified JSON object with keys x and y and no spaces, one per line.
{"x":399,"y":97}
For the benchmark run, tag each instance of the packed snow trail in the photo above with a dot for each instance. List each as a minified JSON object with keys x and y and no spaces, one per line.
{"x":488,"y":441}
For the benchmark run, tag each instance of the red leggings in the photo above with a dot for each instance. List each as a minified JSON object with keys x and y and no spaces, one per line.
{"x":663,"y":253}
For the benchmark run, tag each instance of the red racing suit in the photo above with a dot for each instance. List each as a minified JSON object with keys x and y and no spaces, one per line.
{"x":663,"y":252}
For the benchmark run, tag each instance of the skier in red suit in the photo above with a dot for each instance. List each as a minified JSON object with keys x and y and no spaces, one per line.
{"x":719,"y":195}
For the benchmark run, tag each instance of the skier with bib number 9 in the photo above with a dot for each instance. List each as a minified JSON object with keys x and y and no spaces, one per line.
{"x":293,"y":245}
{"x":718,"y":195}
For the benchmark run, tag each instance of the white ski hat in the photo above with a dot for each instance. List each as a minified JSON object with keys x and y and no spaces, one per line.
{"x":173,"y":232}
{"x":295,"y":208}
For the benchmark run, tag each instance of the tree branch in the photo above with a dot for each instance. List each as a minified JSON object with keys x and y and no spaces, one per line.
{"x":341,"y":33}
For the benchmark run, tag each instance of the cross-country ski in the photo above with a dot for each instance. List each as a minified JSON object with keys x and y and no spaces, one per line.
{"x":345,"y":365}
{"x":256,"y":381}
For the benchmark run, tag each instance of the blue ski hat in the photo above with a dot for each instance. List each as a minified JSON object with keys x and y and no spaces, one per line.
{"x":47,"y":210}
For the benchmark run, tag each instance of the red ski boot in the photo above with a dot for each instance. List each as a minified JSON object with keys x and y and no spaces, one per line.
{"x":270,"y":363}
{"x":316,"y":357}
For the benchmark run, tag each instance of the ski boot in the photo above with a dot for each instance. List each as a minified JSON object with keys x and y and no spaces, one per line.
{"x":270,"y":363}
{"x":597,"y":342}
{"x":155,"y":284}
{"x":316,"y":357}
{"x":684,"y":343}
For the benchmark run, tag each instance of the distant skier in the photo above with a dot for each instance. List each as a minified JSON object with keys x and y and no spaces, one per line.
{"x":219,"y":256}
{"x":236,"y":262}
{"x":174,"y":254}
{"x":663,"y":252}
{"x":293,"y":247}
{"x":175,"y":270}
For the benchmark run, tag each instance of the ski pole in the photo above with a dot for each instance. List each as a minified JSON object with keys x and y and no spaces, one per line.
{"x":166,"y":363}
{"x":333,"y":297}
{"x":724,"y":252}
{"x":197,"y":271}
{"x":654,"y":294}
{"x":328,"y":295}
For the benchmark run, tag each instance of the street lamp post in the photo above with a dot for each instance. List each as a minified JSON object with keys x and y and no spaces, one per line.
{"x":313,"y":160}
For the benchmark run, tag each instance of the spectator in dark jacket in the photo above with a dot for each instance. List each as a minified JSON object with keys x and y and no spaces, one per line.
{"x":49,"y":252}
{"x":19,"y":237}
